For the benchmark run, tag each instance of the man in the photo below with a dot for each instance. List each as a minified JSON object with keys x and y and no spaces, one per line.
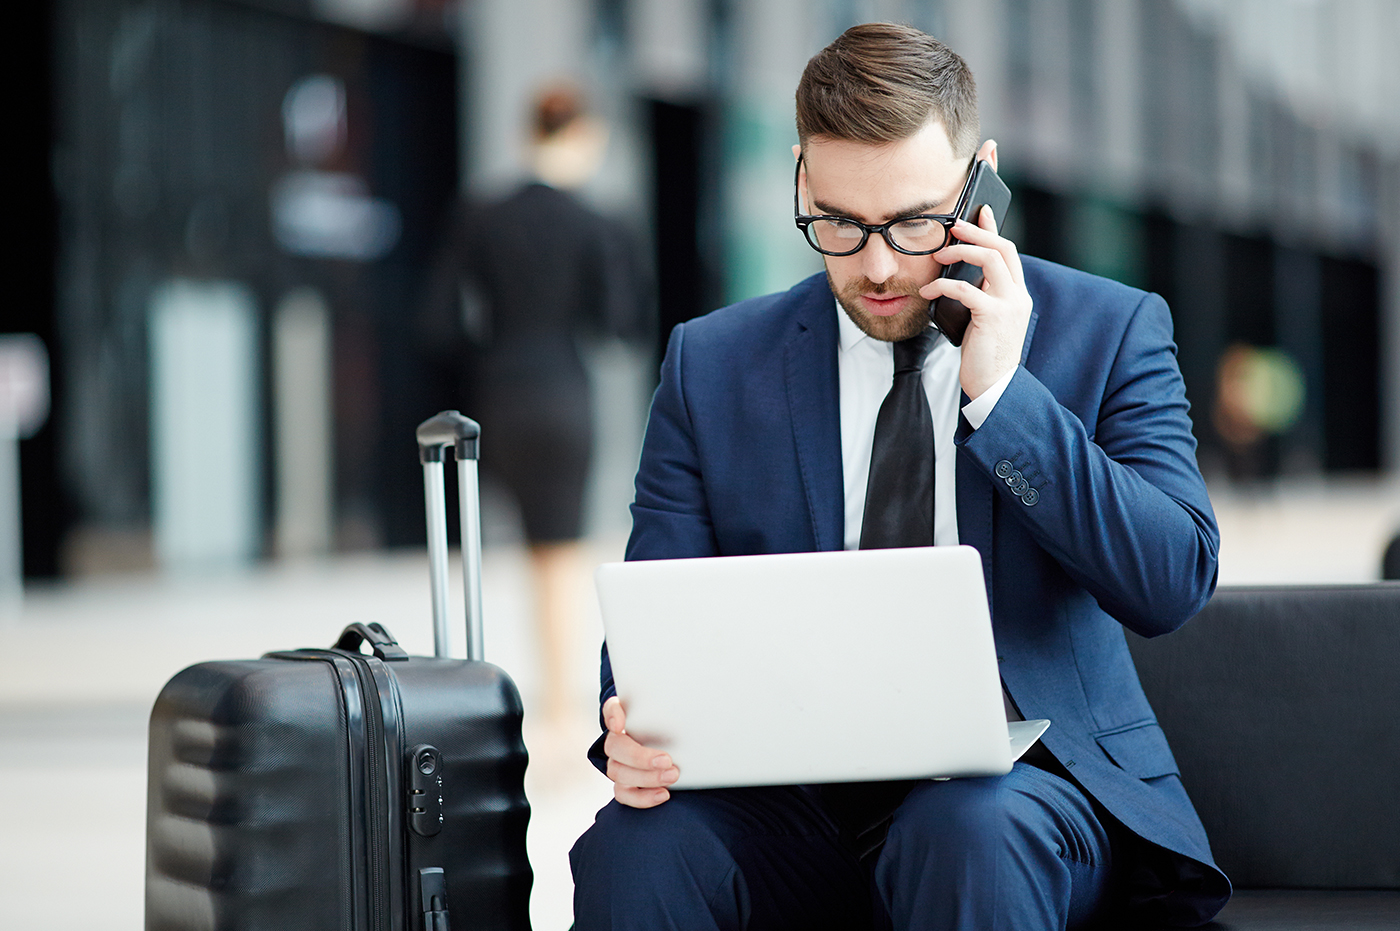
{"x":1061,"y":451}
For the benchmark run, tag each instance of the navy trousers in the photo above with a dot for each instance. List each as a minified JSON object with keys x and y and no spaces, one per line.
{"x":1022,"y":852}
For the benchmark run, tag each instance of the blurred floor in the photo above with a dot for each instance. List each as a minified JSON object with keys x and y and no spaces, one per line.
{"x":1305,"y":530}
{"x":85,"y":661}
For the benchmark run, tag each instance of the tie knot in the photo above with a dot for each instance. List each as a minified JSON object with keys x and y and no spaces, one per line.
{"x":909,"y":354}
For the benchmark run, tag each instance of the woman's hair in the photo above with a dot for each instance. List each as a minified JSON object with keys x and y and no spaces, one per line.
{"x":555,"y":108}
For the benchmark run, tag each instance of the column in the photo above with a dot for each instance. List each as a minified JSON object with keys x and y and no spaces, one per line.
{"x":205,"y":447}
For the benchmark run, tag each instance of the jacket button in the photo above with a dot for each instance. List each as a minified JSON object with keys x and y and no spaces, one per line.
{"x":1021,"y":486}
{"x":1013,"y":478}
{"x":1031,"y":496}
{"x":1004,"y":468}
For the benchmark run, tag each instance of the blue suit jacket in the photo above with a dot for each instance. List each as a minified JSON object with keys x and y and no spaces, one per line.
{"x":743,"y":455}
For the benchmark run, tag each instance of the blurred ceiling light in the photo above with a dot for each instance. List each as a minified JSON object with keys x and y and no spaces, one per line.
{"x":313,"y":118}
{"x":365,"y":14}
{"x":325,"y":214}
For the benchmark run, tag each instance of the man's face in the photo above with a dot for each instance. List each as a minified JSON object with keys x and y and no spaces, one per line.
{"x":878,"y":287}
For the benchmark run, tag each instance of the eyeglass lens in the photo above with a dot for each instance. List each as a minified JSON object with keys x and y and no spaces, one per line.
{"x":914,"y":235}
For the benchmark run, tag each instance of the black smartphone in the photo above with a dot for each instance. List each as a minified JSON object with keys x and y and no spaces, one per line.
{"x":984,"y":189}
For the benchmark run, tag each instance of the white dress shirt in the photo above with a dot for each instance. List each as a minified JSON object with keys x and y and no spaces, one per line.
{"x":865,"y":368}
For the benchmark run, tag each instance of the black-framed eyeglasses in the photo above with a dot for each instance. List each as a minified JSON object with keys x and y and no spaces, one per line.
{"x":920,"y":234}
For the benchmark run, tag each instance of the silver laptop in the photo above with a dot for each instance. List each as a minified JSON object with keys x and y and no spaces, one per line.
{"x":811,"y":667}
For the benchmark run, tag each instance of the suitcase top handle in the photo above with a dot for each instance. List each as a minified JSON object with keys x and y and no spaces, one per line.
{"x":448,"y":428}
{"x":380,"y":641}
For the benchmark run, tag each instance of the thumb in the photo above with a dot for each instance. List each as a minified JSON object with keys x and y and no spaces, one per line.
{"x":614,"y":717}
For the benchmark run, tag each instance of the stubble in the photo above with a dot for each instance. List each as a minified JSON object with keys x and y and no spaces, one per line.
{"x":901,"y":326}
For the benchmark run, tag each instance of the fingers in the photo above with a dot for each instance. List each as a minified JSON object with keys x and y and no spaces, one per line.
{"x":985,"y":234}
{"x":639,"y":774}
{"x":1000,"y":308}
{"x":986,"y":219}
{"x":987,"y":222}
{"x":999,"y":277}
{"x":964,"y":292}
{"x":980,"y":246}
{"x":624,"y":751}
{"x":639,"y":798}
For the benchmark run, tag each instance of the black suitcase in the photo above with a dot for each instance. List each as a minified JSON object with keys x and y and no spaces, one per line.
{"x":328,"y":789}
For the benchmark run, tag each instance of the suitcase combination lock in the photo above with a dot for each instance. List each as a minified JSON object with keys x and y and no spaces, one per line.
{"x":425,"y":790}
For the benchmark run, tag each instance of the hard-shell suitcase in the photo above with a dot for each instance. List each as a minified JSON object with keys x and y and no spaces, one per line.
{"x":329,"y":789}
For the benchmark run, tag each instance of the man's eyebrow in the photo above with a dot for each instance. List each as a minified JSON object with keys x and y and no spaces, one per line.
{"x":835,"y":211}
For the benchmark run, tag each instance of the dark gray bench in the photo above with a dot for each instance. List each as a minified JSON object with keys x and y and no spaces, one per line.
{"x":1282,"y":705}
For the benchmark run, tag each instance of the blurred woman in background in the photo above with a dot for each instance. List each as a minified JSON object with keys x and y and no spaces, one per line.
{"x":540,"y":271}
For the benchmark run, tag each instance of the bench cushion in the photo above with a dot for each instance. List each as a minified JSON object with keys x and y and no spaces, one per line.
{"x":1295,"y":910}
{"x":1282,"y":705}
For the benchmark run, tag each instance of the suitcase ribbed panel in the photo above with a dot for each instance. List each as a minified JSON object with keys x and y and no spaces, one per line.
{"x":256,"y":819}
{"x":472,"y":712}
{"x":248,"y":799}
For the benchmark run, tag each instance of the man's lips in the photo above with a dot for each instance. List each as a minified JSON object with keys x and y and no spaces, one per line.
{"x":884,"y":305}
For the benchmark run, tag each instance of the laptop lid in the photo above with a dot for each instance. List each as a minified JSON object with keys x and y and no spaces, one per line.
{"x":810,"y":667}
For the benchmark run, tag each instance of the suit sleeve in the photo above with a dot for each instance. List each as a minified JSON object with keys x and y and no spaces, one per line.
{"x":670,"y":514}
{"x":1121,"y":503}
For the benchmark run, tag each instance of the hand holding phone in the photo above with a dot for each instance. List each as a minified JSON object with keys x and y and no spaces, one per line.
{"x":984,"y":188}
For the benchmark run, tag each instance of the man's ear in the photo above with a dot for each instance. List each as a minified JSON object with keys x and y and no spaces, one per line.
{"x":805,"y":198}
{"x":988,"y":152}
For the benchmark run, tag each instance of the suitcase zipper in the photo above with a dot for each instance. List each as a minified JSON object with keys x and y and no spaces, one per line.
{"x":378,"y":784}
{"x":377,"y":787}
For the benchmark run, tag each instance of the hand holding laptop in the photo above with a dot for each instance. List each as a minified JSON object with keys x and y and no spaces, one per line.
{"x":639,"y":774}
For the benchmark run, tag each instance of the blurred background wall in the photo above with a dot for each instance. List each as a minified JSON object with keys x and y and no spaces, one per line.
{"x":227,"y":210}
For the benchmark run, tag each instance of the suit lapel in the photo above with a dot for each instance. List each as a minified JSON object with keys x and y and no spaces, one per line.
{"x":814,"y":403}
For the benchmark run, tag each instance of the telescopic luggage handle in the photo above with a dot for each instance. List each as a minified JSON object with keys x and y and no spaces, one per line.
{"x":450,"y":429}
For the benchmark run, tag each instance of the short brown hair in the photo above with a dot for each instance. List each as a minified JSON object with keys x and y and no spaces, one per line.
{"x":883,"y":82}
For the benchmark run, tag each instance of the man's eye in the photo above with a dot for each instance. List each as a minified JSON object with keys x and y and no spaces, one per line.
{"x":918,"y":226}
{"x":843,"y":229}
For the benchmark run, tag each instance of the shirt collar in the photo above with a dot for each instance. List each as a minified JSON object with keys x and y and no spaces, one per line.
{"x":848,"y":333}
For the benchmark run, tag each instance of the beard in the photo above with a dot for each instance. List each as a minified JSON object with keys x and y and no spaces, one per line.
{"x":901,"y":326}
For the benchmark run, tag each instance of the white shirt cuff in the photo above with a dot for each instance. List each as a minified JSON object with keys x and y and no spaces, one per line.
{"x":980,"y":408}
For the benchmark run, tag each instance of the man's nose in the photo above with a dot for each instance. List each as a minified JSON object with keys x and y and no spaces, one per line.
{"x":878,"y":261}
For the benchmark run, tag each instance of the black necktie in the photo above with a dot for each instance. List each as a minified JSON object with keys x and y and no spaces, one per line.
{"x":898,"y":512}
{"x":899,"y":495}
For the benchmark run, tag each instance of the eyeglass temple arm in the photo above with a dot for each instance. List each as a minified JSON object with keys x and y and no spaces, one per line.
{"x":796,"y":177}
